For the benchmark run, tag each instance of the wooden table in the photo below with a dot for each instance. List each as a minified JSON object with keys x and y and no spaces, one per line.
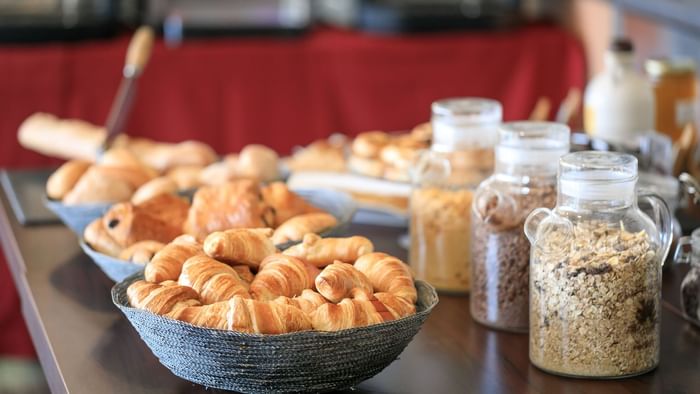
{"x":85,"y":344}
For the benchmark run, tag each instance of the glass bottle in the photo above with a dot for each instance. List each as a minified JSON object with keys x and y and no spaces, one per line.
{"x":525,"y":177}
{"x":675,"y":93}
{"x":460,"y":157}
{"x":688,"y":252}
{"x":595,"y":271}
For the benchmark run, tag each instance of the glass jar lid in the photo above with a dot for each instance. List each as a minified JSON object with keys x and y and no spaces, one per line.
{"x":465,"y":123}
{"x":527,"y":143}
{"x":595,"y":175}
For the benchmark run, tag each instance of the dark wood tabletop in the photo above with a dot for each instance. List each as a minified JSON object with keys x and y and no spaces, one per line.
{"x":85,"y":344}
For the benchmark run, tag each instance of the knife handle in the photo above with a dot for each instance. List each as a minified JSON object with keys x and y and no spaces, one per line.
{"x":139,"y":51}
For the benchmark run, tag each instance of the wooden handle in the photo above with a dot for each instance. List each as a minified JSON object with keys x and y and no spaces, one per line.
{"x":139,"y":51}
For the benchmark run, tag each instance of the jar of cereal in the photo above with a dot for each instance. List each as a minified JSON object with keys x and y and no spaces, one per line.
{"x":460,"y":157}
{"x":525,"y":178}
{"x":595,"y":271}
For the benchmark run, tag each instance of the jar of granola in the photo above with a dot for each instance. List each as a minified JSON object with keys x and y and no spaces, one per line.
{"x":525,"y":178}
{"x":595,"y":271}
{"x":460,"y":157}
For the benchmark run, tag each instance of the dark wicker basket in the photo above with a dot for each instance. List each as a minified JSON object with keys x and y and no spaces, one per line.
{"x":77,"y":217}
{"x":308,"y":361}
{"x":114,"y":268}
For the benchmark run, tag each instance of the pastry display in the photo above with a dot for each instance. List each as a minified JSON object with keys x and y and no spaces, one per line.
{"x":118,"y":174}
{"x":230,"y":222}
{"x":185,"y":282}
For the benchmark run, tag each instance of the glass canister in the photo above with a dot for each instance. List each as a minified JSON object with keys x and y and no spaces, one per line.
{"x":525,"y":177}
{"x":688,"y":252}
{"x":675,"y":93}
{"x":444,"y":179}
{"x":595,"y":271}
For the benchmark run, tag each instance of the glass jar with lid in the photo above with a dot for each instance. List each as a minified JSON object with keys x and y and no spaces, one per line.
{"x":675,"y":92}
{"x":595,"y":271}
{"x":688,"y":252}
{"x":525,"y":177}
{"x":444,"y":179}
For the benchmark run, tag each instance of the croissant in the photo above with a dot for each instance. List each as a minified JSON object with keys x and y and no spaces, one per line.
{"x":308,"y":301}
{"x":282,"y":275}
{"x":341,"y":280}
{"x":249,"y":316}
{"x":167,"y":263}
{"x":241,"y":246}
{"x":214,"y":281}
{"x":286,"y":203}
{"x":244,"y":273}
{"x":235,"y":204}
{"x":185,"y":177}
{"x":96,"y":187}
{"x":153,"y":188}
{"x":323,"y":251}
{"x":65,"y":177}
{"x":168,"y":299}
{"x":388,"y":274}
{"x":346,"y":314}
{"x":398,"y":306}
{"x":364,"y":310}
{"x":120,"y":157}
{"x":141,"y":252}
{"x":295,"y":228}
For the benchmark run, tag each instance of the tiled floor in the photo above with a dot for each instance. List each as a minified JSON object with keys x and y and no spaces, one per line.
{"x":21,"y":376}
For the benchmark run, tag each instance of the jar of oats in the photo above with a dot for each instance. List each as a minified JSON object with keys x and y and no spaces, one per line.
{"x":460,"y":157}
{"x":595,"y":271}
{"x":525,"y":177}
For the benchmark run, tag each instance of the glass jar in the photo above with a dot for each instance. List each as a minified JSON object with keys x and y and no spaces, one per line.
{"x":525,"y":178}
{"x":460,"y":157}
{"x":595,"y":271}
{"x":688,"y":251}
{"x":675,"y":92}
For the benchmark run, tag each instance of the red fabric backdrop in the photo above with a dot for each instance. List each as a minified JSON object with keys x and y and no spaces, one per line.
{"x":279,"y":92}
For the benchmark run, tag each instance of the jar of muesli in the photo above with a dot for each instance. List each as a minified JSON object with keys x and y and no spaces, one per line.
{"x":525,"y":178}
{"x":444,"y":178}
{"x":595,"y":271}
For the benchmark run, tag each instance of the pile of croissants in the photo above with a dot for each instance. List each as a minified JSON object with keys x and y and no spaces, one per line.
{"x":135,"y":232}
{"x":123,"y":174}
{"x":237,"y":280}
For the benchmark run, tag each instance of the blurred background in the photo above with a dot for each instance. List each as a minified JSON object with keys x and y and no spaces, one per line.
{"x":287,"y":72}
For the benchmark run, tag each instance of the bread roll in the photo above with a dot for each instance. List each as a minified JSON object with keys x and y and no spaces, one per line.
{"x":64,"y":179}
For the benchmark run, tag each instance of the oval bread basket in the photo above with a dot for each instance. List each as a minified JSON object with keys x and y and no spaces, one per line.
{"x":309,"y":361}
{"x":114,"y":268}
{"x":77,"y":217}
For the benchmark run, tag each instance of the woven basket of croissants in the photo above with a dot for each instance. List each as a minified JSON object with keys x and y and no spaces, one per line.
{"x":322,"y":315}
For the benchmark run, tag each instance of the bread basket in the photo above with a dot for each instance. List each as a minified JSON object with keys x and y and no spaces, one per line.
{"x":309,"y":361}
{"x":113,"y":267}
{"x":76,"y":217}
